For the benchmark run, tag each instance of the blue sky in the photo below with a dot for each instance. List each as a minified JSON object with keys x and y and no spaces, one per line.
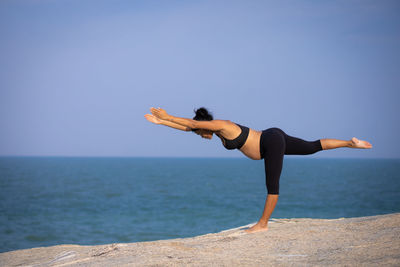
{"x":76,"y":77}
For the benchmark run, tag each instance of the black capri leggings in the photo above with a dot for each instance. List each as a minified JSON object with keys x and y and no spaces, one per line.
{"x":274,"y":144}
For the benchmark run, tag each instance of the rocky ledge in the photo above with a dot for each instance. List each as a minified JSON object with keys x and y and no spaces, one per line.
{"x":362,"y":241}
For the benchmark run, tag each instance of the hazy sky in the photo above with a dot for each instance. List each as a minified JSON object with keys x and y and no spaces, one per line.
{"x":76,"y":77}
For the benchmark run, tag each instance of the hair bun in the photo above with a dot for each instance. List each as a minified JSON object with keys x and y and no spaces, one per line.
{"x":202,"y":114}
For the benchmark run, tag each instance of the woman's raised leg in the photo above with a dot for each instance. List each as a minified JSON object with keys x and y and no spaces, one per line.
{"x":353,"y":143}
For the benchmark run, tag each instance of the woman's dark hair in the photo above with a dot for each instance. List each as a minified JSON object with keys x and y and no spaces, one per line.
{"x":202,"y":114}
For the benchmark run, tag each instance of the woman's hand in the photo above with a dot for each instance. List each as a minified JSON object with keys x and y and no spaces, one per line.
{"x":153,"y":119}
{"x":159,"y":113}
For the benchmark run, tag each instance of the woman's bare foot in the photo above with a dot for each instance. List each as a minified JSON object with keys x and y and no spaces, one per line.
{"x":258,"y":227}
{"x":355,"y":143}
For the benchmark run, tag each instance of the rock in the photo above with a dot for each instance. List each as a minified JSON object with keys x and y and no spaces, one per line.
{"x":364,"y":241}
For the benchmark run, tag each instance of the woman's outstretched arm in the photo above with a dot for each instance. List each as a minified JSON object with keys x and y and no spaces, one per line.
{"x":214,"y":125}
{"x":155,"y":120}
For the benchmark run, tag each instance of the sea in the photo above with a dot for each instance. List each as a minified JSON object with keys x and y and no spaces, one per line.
{"x":47,"y":201}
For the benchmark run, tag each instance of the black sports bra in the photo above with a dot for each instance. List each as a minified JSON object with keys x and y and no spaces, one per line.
{"x":239,"y":141}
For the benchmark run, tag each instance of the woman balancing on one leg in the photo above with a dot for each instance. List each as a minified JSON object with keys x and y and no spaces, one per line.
{"x":271,"y":145}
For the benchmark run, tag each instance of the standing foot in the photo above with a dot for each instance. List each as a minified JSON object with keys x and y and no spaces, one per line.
{"x":258,"y":227}
{"x":356,"y":143}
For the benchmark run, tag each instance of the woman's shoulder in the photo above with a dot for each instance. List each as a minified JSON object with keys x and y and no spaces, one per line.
{"x":228,"y":128}
{"x":226,"y":123}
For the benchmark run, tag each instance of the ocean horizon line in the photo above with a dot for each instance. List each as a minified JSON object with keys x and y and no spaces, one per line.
{"x":189,"y":157}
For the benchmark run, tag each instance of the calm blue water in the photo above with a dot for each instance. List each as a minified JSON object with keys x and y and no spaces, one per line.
{"x":89,"y":201}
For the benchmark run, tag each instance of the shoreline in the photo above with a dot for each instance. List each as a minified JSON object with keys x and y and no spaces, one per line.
{"x":370,"y":240}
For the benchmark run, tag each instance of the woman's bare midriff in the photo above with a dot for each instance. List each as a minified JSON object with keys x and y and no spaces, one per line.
{"x":252,"y":146}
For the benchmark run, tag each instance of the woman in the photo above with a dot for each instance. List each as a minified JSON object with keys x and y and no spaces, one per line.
{"x":271,"y":145}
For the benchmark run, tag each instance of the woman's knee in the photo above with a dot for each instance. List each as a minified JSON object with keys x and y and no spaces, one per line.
{"x":272,"y":186}
{"x":297,"y":146}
